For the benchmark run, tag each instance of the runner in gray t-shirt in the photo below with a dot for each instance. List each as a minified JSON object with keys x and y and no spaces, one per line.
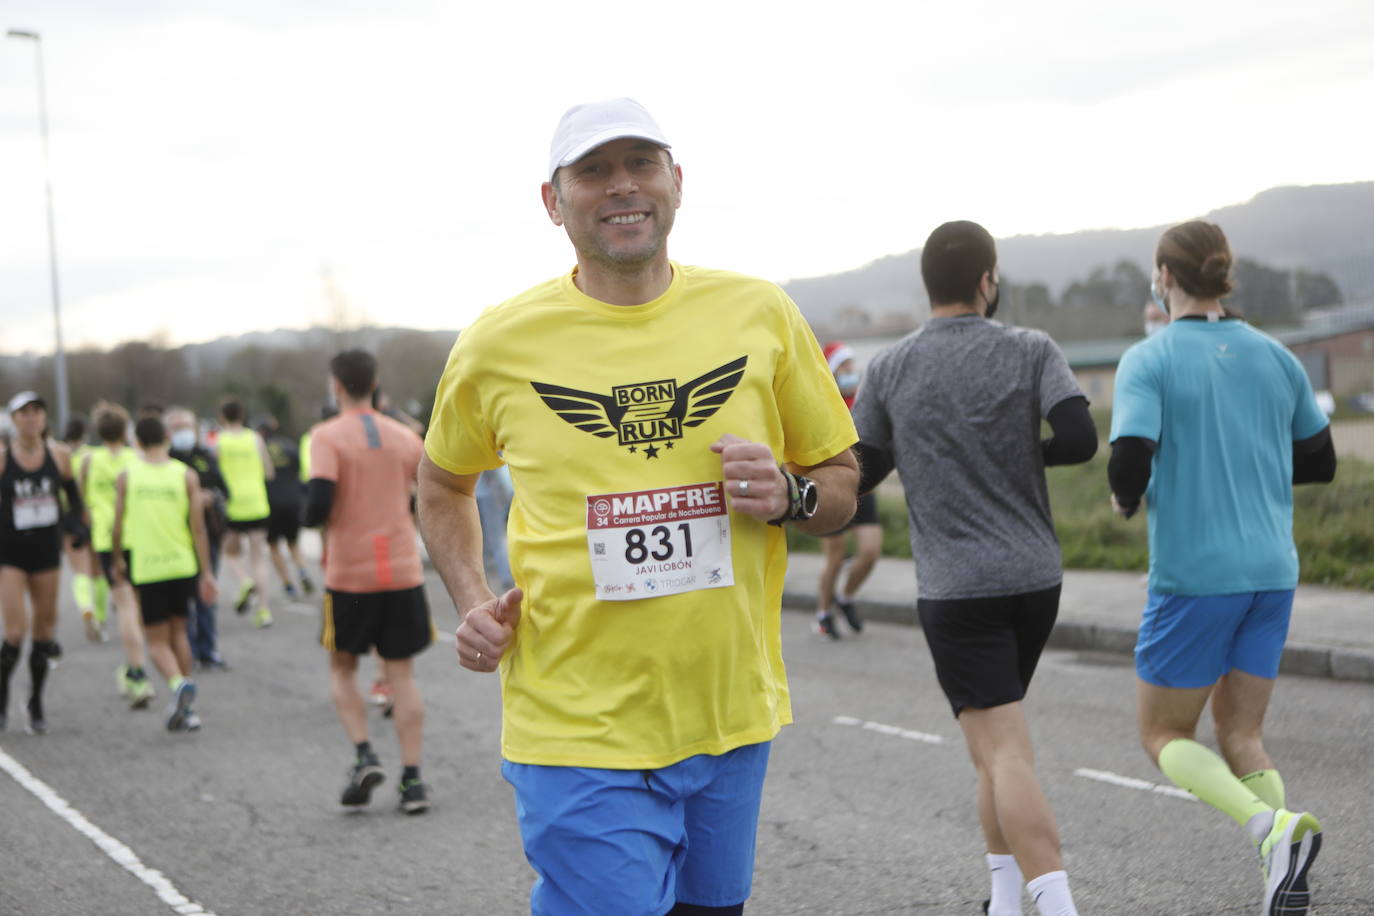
{"x":956,"y":407}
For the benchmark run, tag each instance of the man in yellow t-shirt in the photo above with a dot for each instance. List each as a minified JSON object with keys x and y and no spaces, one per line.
{"x":655,"y":419}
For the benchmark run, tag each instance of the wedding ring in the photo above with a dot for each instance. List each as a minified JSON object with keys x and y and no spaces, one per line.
{"x":744,"y":488}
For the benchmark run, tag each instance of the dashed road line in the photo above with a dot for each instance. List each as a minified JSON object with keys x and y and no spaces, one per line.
{"x":893,"y":730}
{"x":122,"y":855}
{"x":1130,"y":782}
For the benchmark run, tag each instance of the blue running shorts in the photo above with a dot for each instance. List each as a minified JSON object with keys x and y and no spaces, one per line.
{"x":636,"y":842}
{"x":1193,"y":640}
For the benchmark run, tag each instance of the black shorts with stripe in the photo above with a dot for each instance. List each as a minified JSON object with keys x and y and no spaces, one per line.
{"x":397,"y":623}
{"x":985,"y":649}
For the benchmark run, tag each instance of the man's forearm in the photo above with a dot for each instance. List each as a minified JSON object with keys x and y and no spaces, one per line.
{"x":837,"y":485}
{"x":452,"y":531}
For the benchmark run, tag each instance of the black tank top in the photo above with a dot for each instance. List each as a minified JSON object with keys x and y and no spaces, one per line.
{"x":29,"y":499}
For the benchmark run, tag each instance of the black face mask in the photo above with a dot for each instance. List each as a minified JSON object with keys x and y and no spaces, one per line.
{"x":992,"y":303}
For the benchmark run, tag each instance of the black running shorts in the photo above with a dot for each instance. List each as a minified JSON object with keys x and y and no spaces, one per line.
{"x":161,"y":601}
{"x":986,"y":649}
{"x":35,"y":552}
{"x":106,"y":558}
{"x":396,"y":622}
{"x":249,"y":526}
{"x":284,"y":523}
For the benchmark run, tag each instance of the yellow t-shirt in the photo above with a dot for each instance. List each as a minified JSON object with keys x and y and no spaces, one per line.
{"x":241,"y":464}
{"x":585,"y":399}
{"x":106,"y":465}
{"x":157,"y":515}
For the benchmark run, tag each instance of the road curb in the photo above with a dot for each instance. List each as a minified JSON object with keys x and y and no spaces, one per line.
{"x":1337,"y":663}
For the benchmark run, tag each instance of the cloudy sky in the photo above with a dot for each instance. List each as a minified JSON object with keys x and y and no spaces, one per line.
{"x":214,"y":163}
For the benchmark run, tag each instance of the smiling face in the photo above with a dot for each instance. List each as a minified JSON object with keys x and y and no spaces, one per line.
{"x":617,"y":204}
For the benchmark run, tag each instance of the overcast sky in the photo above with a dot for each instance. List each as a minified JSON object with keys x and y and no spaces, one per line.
{"x":212,"y":162}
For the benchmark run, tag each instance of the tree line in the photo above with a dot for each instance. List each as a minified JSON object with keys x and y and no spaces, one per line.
{"x":287,"y":379}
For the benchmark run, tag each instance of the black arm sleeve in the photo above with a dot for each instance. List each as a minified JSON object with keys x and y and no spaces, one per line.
{"x":1314,"y":459}
{"x":1075,"y":435}
{"x":319,"y":499}
{"x":874,"y":464}
{"x":71,"y":521}
{"x":1128,"y":470}
{"x":74,"y":504}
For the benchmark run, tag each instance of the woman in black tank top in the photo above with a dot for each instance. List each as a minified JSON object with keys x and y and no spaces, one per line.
{"x":32,"y":473}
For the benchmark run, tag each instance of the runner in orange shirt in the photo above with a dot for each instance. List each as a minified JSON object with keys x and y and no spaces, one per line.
{"x":362,"y":475}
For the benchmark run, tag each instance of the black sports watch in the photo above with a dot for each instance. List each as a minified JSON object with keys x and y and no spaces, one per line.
{"x":803,"y":498}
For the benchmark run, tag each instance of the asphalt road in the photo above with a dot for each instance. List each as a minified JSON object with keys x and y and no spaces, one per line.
{"x":868,"y":808}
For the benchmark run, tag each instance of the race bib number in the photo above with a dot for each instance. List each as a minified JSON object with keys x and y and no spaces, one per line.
{"x":652,"y":543}
{"x":34,"y":507}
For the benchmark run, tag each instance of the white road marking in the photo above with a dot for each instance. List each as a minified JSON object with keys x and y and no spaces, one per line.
{"x":1129,"y":782}
{"x":893,"y":730}
{"x":122,"y":855}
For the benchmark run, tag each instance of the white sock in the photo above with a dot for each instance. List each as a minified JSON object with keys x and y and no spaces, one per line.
{"x":1051,"y":894}
{"x":1006,"y":886}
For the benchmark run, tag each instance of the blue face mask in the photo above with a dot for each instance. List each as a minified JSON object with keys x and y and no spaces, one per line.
{"x":848,"y":382}
{"x":183,"y":440}
{"x":1158,"y":297}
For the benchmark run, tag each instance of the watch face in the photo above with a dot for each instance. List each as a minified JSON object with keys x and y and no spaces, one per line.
{"x":810,"y":496}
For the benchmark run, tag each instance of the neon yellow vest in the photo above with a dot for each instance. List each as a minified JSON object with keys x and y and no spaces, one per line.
{"x":305,"y":457}
{"x":241,"y":465}
{"x":157,"y":514}
{"x":106,"y":466}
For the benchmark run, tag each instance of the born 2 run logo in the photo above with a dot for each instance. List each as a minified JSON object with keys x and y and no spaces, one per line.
{"x":641,"y":414}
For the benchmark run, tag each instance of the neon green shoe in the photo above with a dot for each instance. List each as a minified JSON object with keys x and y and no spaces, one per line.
{"x":141,"y":693}
{"x":262,"y":618}
{"x":1285,"y":857}
{"x":247,"y":590}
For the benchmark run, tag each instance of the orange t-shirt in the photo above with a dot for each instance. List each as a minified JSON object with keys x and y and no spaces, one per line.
{"x":370,"y":535}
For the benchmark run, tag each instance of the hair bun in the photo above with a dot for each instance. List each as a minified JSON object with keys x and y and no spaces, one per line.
{"x":1215,"y":273}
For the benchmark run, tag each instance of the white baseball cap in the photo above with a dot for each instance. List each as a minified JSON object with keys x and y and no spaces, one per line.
{"x":585,"y":127}
{"x":24,"y":399}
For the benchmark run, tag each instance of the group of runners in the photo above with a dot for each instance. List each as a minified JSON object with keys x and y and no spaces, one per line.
{"x":661,"y":424}
{"x":140,"y":515}
{"x":639,"y":652}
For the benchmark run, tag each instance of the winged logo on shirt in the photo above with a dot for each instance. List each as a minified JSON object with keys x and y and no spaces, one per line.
{"x":641,"y":414}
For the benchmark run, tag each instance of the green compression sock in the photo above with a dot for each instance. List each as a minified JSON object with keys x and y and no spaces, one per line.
{"x":1268,"y":785}
{"x":81,"y":591}
{"x":1202,"y":772}
{"x":102,"y":598}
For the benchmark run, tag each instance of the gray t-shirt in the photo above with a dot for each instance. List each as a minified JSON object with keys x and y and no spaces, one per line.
{"x":958,"y":405}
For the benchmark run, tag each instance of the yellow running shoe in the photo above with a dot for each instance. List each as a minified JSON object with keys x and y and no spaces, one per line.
{"x":1285,"y":856}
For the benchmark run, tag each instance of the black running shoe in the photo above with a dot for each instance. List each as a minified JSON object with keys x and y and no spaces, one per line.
{"x":825,"y":626}
{"x":38,"y":725}
{"x":364,"y":776}
{"x":414,"y":797}
{"x":307,"y":586}
{"x":851,"y":614}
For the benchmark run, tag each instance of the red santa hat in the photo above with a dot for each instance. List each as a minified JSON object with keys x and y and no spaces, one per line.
{"x":836,"y":353}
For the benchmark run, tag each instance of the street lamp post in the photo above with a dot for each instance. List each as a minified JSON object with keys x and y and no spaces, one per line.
{"x":59,"y":356}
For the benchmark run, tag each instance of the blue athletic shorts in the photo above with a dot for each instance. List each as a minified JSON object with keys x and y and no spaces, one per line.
{"x":1192,"y":640}
{"x":636,"y":842}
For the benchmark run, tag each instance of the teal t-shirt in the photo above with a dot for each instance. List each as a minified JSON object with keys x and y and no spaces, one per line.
{"x":1224,"y":403}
